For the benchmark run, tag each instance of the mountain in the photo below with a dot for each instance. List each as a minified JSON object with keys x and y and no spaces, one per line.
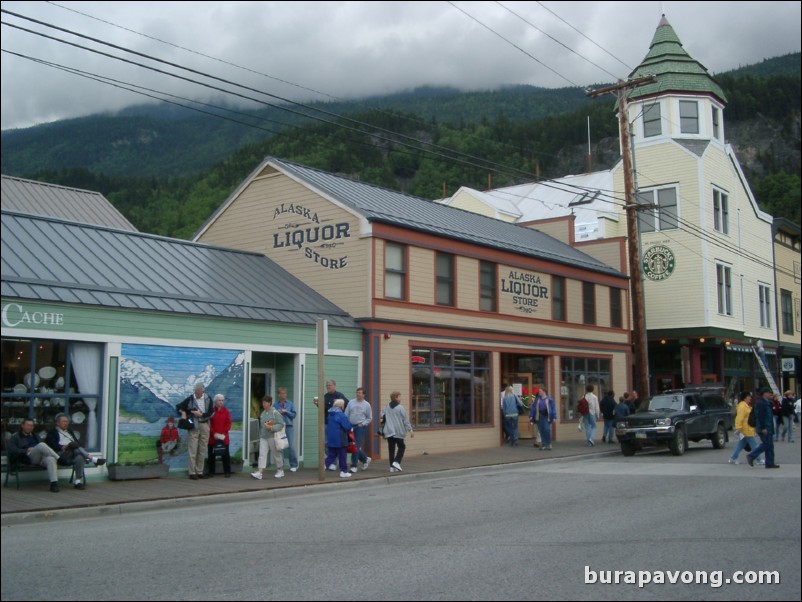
{"x":167,"y":170}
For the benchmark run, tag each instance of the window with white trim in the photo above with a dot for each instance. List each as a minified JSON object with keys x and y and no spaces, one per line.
{"x":661,"y":210}
{"x":652,"y":125}
{"x":764,"y":294}
{"x":716,"y":123}
{"x":688,"y":117}
{"x":721,"y":212}
{"x":724,"y":289}
{"x":395,"y":271}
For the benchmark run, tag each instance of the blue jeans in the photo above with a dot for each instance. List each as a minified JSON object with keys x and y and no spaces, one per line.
{"x":742,"y":443}
{"x":544,"y":428}
{"x":360,"y":432}
{"x":511,"y":426}
{"x":609,"y":429}
{"x":289,"y":431}
{"x":788,"y":427}
{"x":590,"y":426}
{"x":767,"y":446}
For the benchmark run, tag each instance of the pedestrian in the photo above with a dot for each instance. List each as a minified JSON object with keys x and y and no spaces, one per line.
{"x":199,"y":405}
{"x":337,"y":429}
{"x":219,"y":427}
{"x":287,"y":410}
{"x":270,"y":421}
{"x":798,"y":409}
{"x":746,"y":433}
{"x":331,"y":395}
{"x":590,"y":417}
{"x":776,"y":410}
{"x":64,"y":442}
{"x":511,"y":406}
{"x":395,"y":429}
{"x":764,"y":425}
{"x":787,"y":411}
{"x":360,"y":415}
{"x":542,"y":414}
{"x":168,"y":439}
{"x":505,"y":434}
{"x":607,"y":407}
{"x":634,"y":402}
{"x":27,"y":449}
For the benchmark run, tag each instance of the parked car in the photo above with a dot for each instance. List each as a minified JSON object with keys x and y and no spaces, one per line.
{"x":675,"y":417}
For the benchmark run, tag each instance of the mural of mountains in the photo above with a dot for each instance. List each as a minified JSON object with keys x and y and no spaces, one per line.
{"x":146,"y":395}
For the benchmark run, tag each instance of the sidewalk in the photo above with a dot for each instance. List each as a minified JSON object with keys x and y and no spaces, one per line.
{"x":34,"y":501}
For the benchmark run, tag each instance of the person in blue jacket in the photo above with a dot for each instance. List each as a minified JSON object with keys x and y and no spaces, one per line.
{"x":337,"y":429}
{"x":542,"y":414}
{"x":764,"y":425}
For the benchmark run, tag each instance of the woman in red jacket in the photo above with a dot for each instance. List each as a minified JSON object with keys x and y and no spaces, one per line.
{"x":219,"y":425}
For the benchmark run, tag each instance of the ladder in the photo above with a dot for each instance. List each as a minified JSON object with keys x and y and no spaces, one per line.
{"x":766,"y":373}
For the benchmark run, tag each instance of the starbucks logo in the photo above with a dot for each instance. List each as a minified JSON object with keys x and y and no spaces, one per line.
{"x":658,"y":262}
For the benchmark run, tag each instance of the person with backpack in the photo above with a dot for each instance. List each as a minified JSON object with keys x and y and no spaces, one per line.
{"x":776,"y":412}
{"x":764,"y":425}
{"x":787,"y":412}
{"x":511,"y":406}
{"x":745,"y":430}
{"x":607,"y":407}
{"x":588,"y":408}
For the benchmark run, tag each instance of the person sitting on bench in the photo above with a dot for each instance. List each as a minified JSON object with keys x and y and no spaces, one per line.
{"x":64,"y":442}
{"x":27,"y":449}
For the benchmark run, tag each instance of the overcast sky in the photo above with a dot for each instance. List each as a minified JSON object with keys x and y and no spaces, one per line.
{"x":352,"y":49}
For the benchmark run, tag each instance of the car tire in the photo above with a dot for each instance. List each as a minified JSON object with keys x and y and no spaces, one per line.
{"x":628,"y":449}
{"x":720,"y":437}
{"x":678,"y":443}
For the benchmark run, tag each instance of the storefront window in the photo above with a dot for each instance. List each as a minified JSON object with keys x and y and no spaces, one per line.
{"x":43,"y":378}
{"x":576,"y":374}
{"x":449,"y":387}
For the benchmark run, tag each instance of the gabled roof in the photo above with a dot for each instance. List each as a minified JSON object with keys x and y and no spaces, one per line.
{"x":51,"y":200}
{"x":587,"y":196}
{"x":381,"y":205}
{"x":675,"y":69}
{"x":52,"y":260}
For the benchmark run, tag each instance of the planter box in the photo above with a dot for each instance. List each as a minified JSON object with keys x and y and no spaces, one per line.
{"x":128,"y":473}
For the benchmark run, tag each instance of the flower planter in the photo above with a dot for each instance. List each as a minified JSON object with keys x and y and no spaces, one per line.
{"x":128,"y":473}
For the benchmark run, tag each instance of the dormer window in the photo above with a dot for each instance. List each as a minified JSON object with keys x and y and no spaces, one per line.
{"x":716,"y":123}
{"x":689,"y":116}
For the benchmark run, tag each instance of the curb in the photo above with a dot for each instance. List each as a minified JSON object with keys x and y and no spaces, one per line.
{"x":125,"y":508}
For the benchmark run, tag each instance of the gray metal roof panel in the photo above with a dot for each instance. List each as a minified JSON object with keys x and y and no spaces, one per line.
{"x":391,"y":207}
{"x":72,"y":204}
{"x":53,"y":260}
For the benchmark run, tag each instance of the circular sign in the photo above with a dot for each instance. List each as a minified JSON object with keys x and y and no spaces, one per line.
{"x":658,"y":262}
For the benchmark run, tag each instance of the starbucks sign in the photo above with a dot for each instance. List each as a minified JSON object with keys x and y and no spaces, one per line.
{"x":658,"y":262}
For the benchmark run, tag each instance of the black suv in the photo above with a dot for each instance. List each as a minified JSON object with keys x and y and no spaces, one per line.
{"x":674,"y":417}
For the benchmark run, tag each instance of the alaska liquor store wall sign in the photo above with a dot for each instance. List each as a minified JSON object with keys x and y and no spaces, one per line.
{"x":524,"y":292}
{"x":299,"y":228}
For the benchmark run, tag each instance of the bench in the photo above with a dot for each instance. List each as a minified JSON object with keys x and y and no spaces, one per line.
{"x":15,"y":466}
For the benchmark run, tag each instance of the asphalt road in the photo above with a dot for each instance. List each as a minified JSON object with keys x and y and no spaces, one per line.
{"x":516,"y":532}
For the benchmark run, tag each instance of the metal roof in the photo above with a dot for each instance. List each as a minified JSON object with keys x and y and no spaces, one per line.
{"x":52,"y":260}
{"x":381,"y":205}
{"x":71,"y":204}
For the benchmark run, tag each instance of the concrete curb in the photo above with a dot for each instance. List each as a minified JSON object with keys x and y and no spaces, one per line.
{"x":119,"y":509}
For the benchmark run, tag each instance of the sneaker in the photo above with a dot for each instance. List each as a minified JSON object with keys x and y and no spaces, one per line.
{"x":392,"y":469}
{"x":54,"y":487}
{"x":750,"y":460}
{"x":345,"y":475}
{"x":760,"y":462}
{"x":99,"y":461}
{"x":731,"y":461}
{"x":365,"y":464}
{"x":279,"y":474}
{"x":293,"y":468}
{"x":397,"y":466}
{"x":354,"y":469}
{"x":80,"y":485}
{"x":257,"y":475}
{"x":331,"y":467}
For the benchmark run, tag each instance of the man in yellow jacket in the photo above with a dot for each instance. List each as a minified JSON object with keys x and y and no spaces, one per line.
{"x":746,"y":433}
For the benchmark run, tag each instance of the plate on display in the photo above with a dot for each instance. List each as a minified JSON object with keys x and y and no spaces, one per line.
{"x":31,"y":384}
{"x":20,"y":388}
{"x":78,"y":417}
{"x":47,"y":372}
{"x":60,"y":382}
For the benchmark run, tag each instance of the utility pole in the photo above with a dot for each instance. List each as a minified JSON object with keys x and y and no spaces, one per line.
{"x":639,"y":343}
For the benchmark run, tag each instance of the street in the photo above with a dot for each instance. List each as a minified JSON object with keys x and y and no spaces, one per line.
{"x":513,"y":532}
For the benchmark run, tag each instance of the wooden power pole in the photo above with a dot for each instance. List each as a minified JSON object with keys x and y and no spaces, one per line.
{"x":639,"y":343}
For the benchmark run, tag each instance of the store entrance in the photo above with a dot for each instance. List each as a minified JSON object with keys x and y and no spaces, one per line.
{"x":526,"y":374}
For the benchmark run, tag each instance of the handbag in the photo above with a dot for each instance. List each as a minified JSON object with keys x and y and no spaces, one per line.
{"x":282,"y":442}
{"x":351,"y":443}
{"x":219,"y":449}
{"x":186,"y":423}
